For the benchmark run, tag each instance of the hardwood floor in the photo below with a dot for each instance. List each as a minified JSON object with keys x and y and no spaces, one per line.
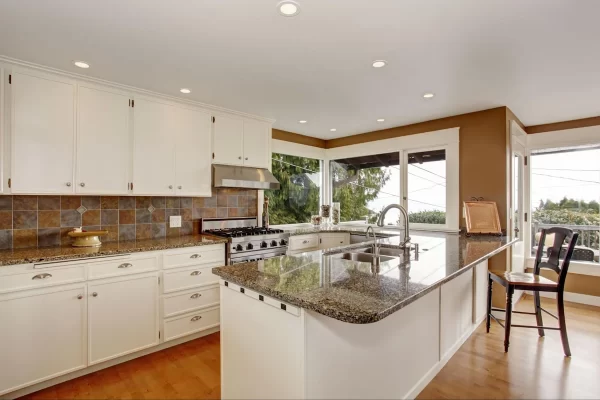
{"x":533,"y":368}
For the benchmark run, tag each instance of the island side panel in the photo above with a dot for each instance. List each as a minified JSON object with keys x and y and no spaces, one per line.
{"x":391,"y":358}
{"x":262,"y":349}
{"x":456,"y":313}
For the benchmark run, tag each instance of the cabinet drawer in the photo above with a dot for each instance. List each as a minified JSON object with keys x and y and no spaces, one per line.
{"x":37,"y":278}
{"x":189,"y":301}
{"x":191,"y":323}
{"x":122,"y":266}
{"x":187,"y":278}
{"x":194,"y":256}
{"x":304,"y":242}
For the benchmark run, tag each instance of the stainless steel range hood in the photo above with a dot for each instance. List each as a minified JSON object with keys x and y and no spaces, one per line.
{"x":228,"y":176}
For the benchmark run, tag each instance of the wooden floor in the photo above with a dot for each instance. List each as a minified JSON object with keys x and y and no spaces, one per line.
{"x":533,"y":368}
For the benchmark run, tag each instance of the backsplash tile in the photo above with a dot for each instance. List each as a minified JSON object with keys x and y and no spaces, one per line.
{"x":45,"y":221}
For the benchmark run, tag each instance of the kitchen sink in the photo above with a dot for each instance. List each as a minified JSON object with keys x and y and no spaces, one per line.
{"x":386,"y":251}
{"x":363,"y":257}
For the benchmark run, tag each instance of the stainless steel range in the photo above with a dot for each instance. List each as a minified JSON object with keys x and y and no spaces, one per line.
{"x":247,"y":241}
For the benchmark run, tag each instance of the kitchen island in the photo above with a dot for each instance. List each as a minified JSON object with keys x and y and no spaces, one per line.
{"x":320,"y":325}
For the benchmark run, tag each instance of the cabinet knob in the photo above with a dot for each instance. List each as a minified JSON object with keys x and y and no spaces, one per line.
{"x":240,"y":157}
{"x":79,"y":297}
{"x":246,"y":158}
{"x":170,"y":186}
{"x":179,"y":187}
{"x":196,"y":318}
{"x":82,"y":184}
{"x":69,"y":184}
{"x":305,"y":241}
{"x":95,"y":294}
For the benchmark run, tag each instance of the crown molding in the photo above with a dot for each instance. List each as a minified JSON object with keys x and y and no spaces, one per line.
{"x":38,"y":67}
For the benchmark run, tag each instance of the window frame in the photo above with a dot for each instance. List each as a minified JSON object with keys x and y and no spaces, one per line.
{"x":577,"y":137}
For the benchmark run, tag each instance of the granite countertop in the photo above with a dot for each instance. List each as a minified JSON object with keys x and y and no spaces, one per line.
{"x":356,"y":292}
{"x":45,"y":254}
{"x":383,"y":231}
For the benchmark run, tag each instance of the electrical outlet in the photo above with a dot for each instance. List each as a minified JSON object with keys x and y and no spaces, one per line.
{"x":175,"y":221}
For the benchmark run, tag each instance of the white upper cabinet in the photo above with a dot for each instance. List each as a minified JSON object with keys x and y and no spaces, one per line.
{"x":155,"y":132}
{"x":256,"y":143}
{"x":193,"y":153}
{"x":103,"y":142}
{"x":228,"y":134}
{"x":42,"y":134}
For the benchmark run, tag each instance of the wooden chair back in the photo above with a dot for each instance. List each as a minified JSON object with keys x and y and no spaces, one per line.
{"x":561,"y":236}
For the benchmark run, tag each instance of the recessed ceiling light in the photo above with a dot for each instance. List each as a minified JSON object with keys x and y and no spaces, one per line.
{"x":81,"y":64}
{"x":288,"y":8}
{"x":380,"y":120}
{"x":379,"y":63}
{"x":302,"y":121}
{"x":185,"y":90}
{"x":428,"y":95}
{"x":333,"y":129}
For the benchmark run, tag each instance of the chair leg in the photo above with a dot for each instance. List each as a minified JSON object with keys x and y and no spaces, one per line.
{"x":509,"y":295}
{"x":538,"y":312}
{"x":562,"y":324}
{"x":489,"y":305}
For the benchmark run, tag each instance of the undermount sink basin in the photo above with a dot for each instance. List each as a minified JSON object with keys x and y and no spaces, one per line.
{"x":364,"y":257}
{"x":385,"y":251}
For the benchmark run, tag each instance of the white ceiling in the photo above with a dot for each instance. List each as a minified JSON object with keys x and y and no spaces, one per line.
{"x":539,"y":57}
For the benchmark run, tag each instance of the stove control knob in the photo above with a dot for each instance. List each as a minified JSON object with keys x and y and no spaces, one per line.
{"x":274,"y":243}
{"x":239,"y":247}
{"x":264,"y":245}
{"x":283,"y":242}
{"x":249,"y":247}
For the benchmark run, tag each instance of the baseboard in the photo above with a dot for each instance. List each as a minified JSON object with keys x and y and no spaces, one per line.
{"x":414,"y":392}
{"x":97,"y":367}
{"x":574,"y":298}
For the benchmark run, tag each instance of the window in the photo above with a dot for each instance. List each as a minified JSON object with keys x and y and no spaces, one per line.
{"x":426,"y":187}
{"x":565,"y":191}
{"x":365,"y":185}
{"x":300,"y":193}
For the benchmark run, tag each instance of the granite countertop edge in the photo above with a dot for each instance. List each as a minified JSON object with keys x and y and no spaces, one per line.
{"x":31,"y":255}
{"x":353,"y":318}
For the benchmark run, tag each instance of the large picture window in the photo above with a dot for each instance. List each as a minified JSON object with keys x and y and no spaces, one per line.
{"x":300,"y":193}
{"x":565,"y":191}
{"x":426,"y":187}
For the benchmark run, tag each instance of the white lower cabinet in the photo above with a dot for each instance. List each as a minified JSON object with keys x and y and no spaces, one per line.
{"x":123,"y":316}
{"x":43,"y":335}
{"x":187,"y":324}
{"x":329,"y":240}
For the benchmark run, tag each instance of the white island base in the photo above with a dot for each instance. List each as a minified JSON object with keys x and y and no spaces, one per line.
{"x":271,"y":353}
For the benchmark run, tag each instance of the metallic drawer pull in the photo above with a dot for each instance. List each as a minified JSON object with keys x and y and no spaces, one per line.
{"x":195,"y":256}
{"x":196,"y":318}
{"x":196,"y":273}
{"x":95,"y":294}
{"x":42,"y":276}
{"x":195,"y":296}
{"x":125,"y":265}
{"x":304,"y":241}
{"x":79,"y":297}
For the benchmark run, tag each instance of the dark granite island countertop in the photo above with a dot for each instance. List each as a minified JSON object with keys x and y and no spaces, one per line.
{"x":65,"y":253}
{"x":356,"y":292}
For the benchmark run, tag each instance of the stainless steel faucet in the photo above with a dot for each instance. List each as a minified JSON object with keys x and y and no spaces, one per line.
{"x":375,"y":247}
{"x":406,"y":241}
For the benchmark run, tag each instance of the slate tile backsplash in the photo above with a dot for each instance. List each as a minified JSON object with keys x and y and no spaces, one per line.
{"x":44,"y":221}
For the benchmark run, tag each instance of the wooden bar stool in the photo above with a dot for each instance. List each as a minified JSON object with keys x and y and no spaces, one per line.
{"x":534,"y":282}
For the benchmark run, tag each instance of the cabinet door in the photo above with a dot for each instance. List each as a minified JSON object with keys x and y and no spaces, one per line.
{"x":103,"y":150}
{"x":43,"y":134}
{"x":256,"y":144}
{"x":43,"y":335}
{"x":228,"y":143}
{"x":122,"y":316}
{"x":154,"y":147}
{"x":327,"y":240}
{"x":193,"y":153}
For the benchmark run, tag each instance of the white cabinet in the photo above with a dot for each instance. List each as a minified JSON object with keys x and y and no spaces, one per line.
{"x":193,"y":173}
{"x":153,"y":147}
{"x":228,"y":139}
{"x":123,"y":316}
{"x":43,"y":335}
{"x":303,"y":242}
{"x":256,"y":144}
{"x":43,"y":134}
{"x":329,"y":240}
{"x":241,"y":142}
{"x":103,"y":142}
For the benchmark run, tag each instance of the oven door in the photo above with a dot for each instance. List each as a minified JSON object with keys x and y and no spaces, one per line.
{"x":256,"y":256}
